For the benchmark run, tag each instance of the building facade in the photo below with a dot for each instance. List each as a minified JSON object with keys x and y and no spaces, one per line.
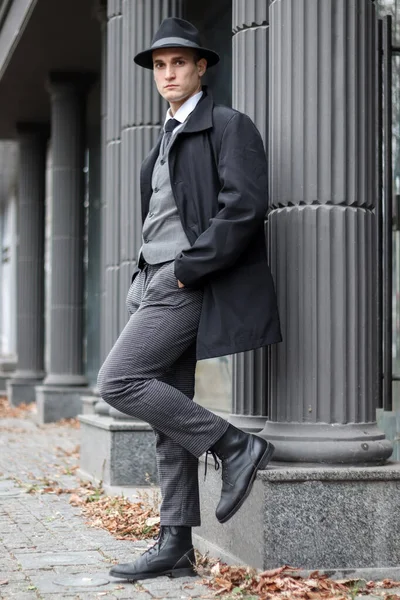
{"x":83,"y":117}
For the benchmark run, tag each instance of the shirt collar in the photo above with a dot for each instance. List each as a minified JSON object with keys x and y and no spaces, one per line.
{"x":184,"y":111}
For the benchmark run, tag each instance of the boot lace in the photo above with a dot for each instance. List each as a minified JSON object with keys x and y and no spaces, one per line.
{"x":216,"y":463}
{"x":157,"y":540}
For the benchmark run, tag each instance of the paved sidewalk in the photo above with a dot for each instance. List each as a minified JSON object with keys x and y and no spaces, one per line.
{"x":46,"y":549}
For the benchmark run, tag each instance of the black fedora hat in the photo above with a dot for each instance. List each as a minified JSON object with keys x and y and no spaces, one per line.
{"x":175,"y":33}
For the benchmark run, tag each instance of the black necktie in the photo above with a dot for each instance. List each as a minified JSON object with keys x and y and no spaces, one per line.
{"x":168,"y":129}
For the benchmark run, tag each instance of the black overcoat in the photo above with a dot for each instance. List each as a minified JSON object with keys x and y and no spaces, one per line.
{"x":218,"y":172}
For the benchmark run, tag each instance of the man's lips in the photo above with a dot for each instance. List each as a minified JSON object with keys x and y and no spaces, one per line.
{"x":167,"y":87}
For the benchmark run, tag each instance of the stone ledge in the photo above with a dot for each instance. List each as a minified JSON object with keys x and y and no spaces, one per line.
{"x":281,"y":472}
{"x":110,"y":424}
{"x":125,"y":453}
{"x":339,"y":520}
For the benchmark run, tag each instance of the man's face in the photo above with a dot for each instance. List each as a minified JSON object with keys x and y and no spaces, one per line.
{"x":176,"y":74}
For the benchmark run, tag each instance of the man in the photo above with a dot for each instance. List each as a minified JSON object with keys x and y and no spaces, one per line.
{"x":203,"y":288}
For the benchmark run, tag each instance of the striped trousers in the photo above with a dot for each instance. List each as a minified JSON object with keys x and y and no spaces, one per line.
{"x":149,"y":374}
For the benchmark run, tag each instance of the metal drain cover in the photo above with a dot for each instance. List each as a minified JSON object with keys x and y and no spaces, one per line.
{"x":82,"y":582}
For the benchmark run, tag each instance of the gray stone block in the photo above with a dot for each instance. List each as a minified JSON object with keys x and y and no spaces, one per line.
{"x":55,"y":403}
{"x":22,"y":391}
{"x":336,"y":519}
{"x":7,"y":367}
{"x":120,"y":453}
{"x":3,"y":383}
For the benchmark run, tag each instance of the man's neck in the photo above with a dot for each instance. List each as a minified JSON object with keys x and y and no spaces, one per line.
{"x":175,"y":106}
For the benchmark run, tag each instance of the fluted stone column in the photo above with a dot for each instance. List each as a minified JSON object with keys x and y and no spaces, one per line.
{"x":111,"y":136}
{"x":132,"y":119}
{"x":30,"y":264}
{"x":250,"y":95}
{"x":60,"y":395}
{"x":135,"y":112}
{"x":323,"y":378}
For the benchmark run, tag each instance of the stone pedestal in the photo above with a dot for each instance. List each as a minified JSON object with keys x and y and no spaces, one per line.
{"x":30,"y":264}
{"x":341,"y":520}
{"x":21,"y":390}
{"x":58,"y":402}
{"x":124,"y":452}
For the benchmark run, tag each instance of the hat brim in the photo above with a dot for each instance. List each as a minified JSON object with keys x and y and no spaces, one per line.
{"x":145,"y":58}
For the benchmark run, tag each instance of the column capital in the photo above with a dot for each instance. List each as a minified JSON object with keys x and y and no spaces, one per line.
{"x":66,"y":81}
{"x":249,"y":13}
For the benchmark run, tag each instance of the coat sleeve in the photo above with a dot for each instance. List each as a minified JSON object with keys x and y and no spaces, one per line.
{"x":242,"y":201}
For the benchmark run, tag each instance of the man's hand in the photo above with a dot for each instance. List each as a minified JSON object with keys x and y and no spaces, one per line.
{"x":180,"y":284}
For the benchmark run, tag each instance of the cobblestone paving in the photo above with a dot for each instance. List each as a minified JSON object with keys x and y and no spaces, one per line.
{"x":46,"y":549}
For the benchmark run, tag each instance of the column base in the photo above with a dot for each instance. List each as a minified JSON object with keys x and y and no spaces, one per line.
{"x":322,"y":509}
{"x":55,"y":403}
{"x":22,"y":390}
{"x":88,"y":404}
{"x":353,"y":443}
{"x":125,"y":451}
{"x":389,"y":423}
{"x":7,"y":368}
{"x":102,"y":408}
{"x":249,"y":423}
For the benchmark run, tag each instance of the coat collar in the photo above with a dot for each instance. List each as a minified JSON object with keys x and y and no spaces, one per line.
{"x":201,"y":118}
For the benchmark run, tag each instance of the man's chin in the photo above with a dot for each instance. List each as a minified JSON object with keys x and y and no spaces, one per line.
{"x":175,"y":95}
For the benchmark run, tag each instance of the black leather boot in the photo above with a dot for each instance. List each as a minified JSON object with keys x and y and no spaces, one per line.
{"x":242,"y":455}
{"x":172,"y":554}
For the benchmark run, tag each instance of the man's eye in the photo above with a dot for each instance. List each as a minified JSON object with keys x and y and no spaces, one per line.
{"x":180,"y":62}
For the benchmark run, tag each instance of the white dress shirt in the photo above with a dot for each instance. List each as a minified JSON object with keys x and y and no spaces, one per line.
{"x":183,"y":111}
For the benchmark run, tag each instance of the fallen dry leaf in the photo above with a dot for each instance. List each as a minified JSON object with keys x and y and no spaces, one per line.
{"x":14,"y":412}
{"x":4,"y":582}
{"x":76,"y":500}
{"x":274,"y":584}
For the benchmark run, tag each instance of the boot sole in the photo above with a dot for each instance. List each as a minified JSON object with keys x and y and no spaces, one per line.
{"x":262,"y":463}
{"x":174,"y":573}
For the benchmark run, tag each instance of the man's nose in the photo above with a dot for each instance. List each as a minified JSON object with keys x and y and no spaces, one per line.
{"x":169,"y":72}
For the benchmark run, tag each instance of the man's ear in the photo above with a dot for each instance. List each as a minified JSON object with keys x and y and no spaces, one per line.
{"x":202,"y":66}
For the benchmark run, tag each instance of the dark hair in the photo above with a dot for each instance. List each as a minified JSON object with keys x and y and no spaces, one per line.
{"x":197,"y":55}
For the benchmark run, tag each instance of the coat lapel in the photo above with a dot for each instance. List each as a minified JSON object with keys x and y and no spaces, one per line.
{"x":201,"y":118}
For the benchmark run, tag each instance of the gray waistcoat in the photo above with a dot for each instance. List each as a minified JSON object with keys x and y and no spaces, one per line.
{"x":163,"y":234}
